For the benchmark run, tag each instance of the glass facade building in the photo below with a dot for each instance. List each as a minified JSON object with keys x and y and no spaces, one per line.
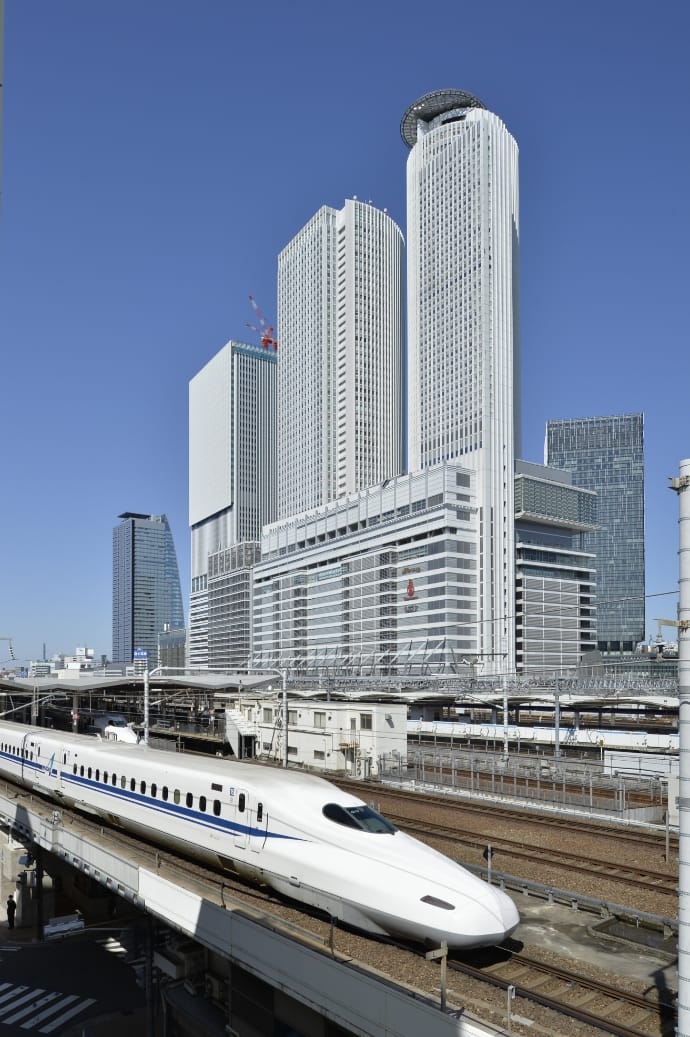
{"x":555,"y":579}
{"x":230,"y":606}
{"x":607,"y":455}
{"x":147,"y":599}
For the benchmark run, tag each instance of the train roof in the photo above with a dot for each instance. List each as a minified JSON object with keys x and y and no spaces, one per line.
{"x":273,"y":779}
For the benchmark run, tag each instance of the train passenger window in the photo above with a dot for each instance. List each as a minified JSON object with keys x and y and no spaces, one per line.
{"x":190,"y":799}
{"x":176,"y":796}
{"x":259,"y":811}
{"x":114,"y":778}
{"x":202,"y":803}
{"x":74,"y":768}
{"x":81,"y":771}
{"x":123,"y":782}
{"x":88,"y":773}
{"x":241,"y":802}
{"x":64,"y":759}
{"x":105,"y":777}
{"x":98,"y":774}
{"x":164,"y":792}
{"x":216,"y":807}
{"x":142,"y":788}
{"x":154,"y":788}
{"x":133,"y":784}
{"x":360,"y":816}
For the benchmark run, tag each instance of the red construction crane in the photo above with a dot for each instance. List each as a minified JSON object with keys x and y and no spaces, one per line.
{"x":265,"y":332}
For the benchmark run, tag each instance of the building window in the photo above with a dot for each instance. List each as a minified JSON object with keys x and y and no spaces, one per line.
{"x":319,"y":719}
{"x":365,"y":721}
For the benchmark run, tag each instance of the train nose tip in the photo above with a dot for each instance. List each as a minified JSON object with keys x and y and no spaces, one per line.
{"x":506,"y":913}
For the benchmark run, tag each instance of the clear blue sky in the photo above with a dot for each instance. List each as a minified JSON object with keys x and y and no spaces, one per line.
{"x":157,"y":156}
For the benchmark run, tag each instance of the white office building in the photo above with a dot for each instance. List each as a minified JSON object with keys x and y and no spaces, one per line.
{"x":232,"y":404}
{"x":462,"y":282}
{"x":381,"y":582}
{"x":340,"y":326}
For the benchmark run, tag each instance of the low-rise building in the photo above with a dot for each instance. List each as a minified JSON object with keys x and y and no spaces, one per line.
{"x":361,"y":739}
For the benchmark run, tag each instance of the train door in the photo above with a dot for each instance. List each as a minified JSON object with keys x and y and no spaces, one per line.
{"x":242,"y":817}
{"x":257,"y":835}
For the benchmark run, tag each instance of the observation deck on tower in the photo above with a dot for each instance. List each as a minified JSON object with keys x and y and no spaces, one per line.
{"x":430,"y":106}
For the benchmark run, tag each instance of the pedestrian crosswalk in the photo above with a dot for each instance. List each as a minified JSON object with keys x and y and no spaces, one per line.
{"x":43,"y":1011}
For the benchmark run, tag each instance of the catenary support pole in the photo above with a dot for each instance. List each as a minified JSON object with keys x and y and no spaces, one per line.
{"x":146,"y":706}
{"x":682,"y":487}
{"x":283,"y":679}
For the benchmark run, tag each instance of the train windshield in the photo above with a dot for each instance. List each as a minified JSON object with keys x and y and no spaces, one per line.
{"x":360,"y":816}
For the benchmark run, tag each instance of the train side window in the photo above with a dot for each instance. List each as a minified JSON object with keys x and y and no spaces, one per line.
{"x":142,"y":788}
{"x":216,"y":807}
{"x":81,"y":771}
{"x":105,"y":777}
{"x":98,"y":774}
{"x":176,"y":796}
{"x":64,"y":759}
{"x":114,"y":779}
{"x":88,"y":773}
{"x":241,"y":802}
{"x":74,"y":768}
{"x":202,"y":803}
{"x":123,"y":782}
{"x":133,"y":784}
{"x":190,"y":799}
{"x":164,"y":792}
{"x":259,"y":811}
{"x":154,"y":788}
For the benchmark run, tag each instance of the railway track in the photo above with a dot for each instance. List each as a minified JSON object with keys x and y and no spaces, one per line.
{"x":631,"y":876}
{"x":601,"y":1006}
{"x":549,"y":998}
{"x":376,"y":792}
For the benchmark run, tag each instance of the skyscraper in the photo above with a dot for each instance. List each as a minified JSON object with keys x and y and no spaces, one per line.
{"x":340,"y":326}
{"x":146,"y":586}
{"x":463,"y":338}
{"x":607,"y":455}
{"x":232,"y":465}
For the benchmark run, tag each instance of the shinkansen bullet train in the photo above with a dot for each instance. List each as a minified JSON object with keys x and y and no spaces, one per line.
{"x":286,"y":829}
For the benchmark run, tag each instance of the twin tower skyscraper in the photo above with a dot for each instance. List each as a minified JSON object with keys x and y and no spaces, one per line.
{"x":355,"y":400}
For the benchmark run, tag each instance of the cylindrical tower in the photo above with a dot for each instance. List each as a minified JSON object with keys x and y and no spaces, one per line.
{"x":463,"y":339}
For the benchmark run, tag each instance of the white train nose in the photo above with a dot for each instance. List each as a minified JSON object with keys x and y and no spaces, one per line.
{"x":481,"y":922}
